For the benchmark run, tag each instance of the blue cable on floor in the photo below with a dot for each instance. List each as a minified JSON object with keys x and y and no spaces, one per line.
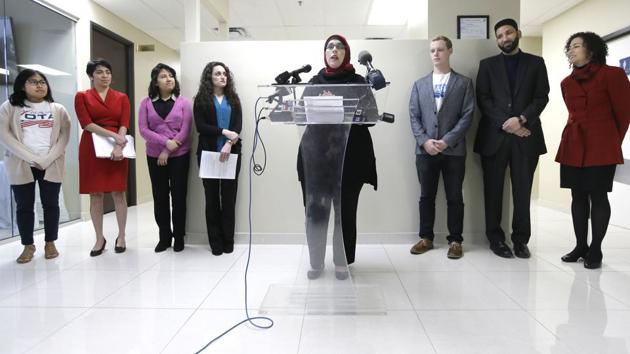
{"x":258,"y":170}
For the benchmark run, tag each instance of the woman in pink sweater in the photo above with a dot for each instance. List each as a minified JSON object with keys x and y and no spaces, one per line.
{"x":165,"y":119}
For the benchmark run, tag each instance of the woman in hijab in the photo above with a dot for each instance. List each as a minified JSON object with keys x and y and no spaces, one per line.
{"x":324,"y":146}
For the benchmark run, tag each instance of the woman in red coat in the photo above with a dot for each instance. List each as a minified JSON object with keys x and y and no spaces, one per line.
{"x":103,"y":111}
{"x":597,"y":97}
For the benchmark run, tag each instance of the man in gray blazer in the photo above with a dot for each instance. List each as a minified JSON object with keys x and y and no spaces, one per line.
{"x":441,"y":109}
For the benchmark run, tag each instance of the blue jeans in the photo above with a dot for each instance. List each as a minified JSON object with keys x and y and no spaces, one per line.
{"x":452,"y":169}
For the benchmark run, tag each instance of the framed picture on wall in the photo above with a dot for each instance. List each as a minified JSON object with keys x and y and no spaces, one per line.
{"x":473,"y":26}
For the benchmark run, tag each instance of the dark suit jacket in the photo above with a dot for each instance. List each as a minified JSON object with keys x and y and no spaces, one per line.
{"x":497,"y":103}
{"x":453,"y":119}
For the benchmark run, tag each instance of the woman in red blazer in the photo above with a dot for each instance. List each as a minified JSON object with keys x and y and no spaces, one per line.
{"x":104,"y":111}
{"x":597,"y":97}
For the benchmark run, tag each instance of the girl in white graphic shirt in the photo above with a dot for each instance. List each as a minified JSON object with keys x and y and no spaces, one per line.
{"x":35,"y":131}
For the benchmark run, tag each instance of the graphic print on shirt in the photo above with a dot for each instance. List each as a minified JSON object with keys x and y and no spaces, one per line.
{"x":36,"y":121}
{"x":440,"y":83}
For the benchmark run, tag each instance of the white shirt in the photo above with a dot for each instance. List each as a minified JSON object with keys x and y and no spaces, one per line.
{"x":440,"y":82}
{"x":36,"y":120}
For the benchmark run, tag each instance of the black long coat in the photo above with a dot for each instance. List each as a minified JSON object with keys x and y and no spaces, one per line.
{"x":359,"y":161}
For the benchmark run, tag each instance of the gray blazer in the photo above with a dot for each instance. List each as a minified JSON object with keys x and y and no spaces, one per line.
{"x":453,"y":119}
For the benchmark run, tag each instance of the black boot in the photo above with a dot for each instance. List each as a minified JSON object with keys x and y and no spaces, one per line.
{"x":178,"y":245}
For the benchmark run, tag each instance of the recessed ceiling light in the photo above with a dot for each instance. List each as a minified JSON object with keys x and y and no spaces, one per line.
{"x":388,"y":13}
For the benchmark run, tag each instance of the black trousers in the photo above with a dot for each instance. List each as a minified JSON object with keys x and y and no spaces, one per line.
{"x":170,"y":181}
{"x":318,"y":206}
{"x":522,"y":168}
{"x":220,"y":210}
{"x":452,"y":169}
{"x":24,"y":195}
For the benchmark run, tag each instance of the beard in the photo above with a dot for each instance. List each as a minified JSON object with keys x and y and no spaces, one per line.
{"x":509,"y":47}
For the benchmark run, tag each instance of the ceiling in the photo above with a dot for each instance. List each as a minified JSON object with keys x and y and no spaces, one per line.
{"x":292,"y":19}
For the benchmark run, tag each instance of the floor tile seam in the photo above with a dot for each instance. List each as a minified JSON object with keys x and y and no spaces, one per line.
{"x":613,"y":297}
{"x":198,"y":308}
{"x":80,"y":314}
{"x":557,"y":338}
{"x":3,"y":298}
{"x":424,"y":329}
{"x":409,"y":299}
{"x":504,"y":292}
{"x":134,"y":277}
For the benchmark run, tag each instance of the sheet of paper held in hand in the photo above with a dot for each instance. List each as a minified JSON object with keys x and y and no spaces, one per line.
{"x":103,"y":147}
{"x":211,"y":167}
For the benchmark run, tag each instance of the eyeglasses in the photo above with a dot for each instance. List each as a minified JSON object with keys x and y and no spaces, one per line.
{"x":37,"y":82}
{"x":333,"y":45}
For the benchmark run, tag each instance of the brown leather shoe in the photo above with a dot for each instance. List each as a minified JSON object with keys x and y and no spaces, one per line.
{"x":50,"y":251}
{"x":422,"y":246}
{"x":27,"y":254}
{"x":455,"y":250}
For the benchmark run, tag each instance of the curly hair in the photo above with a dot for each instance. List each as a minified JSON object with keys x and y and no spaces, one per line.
{"x":154,"y":90}
{"x":18,"y":96}
{"x":594,"y":44}
{"x":203,"y":98}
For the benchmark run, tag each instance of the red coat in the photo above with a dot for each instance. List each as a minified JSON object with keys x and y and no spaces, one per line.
{"x":101,"y":175}
{"x":599,"y":113}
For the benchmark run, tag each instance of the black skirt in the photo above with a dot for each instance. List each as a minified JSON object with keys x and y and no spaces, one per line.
{"x":588,"y":179}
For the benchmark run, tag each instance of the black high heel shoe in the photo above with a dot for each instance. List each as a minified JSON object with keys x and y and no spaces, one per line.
{"x":574,"y":255}
{"x":119,"y":249}
{"x":94,"y":253}
{"x":593,"y":260}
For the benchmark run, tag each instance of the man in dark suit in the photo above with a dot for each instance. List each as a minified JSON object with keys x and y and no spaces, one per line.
{"x":512,"y":91}
{"x":441,"y":108}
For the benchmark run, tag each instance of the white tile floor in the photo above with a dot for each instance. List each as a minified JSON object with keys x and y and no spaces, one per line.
{"x":142,"y":302}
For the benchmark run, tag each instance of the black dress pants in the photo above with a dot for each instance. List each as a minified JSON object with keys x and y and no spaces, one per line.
{"x":522,"y":168}
{"x":170,"y":180}
{"x":318,"y":204}
{"x":24,"y":195}
{"x":220,"y":210}
{"x":452,"y":169}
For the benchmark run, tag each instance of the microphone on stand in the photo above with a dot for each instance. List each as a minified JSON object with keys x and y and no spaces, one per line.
{"x":283,"y":78}
{"x":374,"y":77}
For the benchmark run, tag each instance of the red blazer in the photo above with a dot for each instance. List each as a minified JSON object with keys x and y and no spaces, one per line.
{"x":599,"y":114}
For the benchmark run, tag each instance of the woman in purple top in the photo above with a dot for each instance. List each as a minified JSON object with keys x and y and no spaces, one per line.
{"x":165,"y":119}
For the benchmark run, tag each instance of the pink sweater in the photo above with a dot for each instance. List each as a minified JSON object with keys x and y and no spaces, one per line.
{"x":157,"y":130}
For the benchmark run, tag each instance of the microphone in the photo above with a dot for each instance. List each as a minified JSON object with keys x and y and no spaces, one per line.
{"x":374,"y":77}
{"x":365,"y":58}
{"x":283,"y":78}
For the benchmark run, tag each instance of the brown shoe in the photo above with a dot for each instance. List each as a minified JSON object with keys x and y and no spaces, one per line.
{"x":422,"y":246}
{"x":27,"y":254}
{"x":455,"y":250}
{"x":50,"y":251}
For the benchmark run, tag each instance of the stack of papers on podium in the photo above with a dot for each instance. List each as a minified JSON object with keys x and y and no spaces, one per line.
{"x":103,"y":146}
{"x":324,"y":109}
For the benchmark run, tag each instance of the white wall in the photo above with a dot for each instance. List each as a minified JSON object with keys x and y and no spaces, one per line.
{"x":599,"y":16}
{"x":443,"y":14}
{"x":387,"y":213}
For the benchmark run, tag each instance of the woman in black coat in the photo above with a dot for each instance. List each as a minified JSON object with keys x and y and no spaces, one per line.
{"x":321,"y":148}
{"x":218,"y":118}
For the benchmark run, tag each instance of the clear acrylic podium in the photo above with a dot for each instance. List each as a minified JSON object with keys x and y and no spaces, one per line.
{"x":324,"y":115}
